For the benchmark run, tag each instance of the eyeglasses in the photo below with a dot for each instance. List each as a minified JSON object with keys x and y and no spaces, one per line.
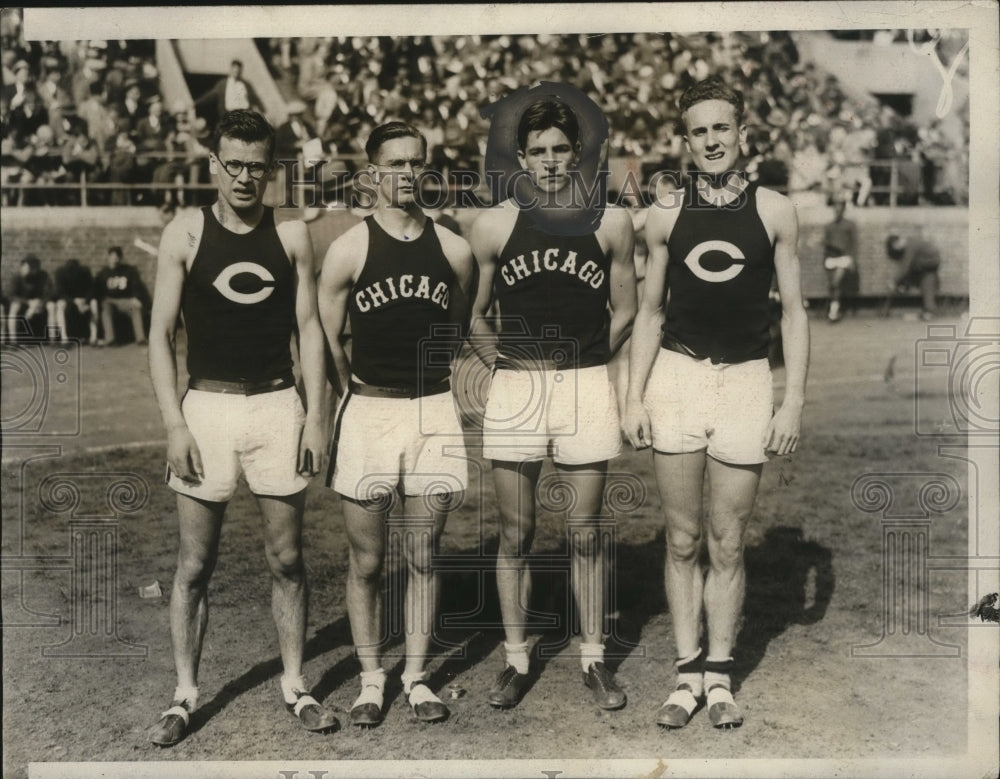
{"x":256,"y":170}
{"x":416,"y":165}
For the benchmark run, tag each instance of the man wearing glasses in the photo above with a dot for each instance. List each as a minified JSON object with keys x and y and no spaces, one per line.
{"x":243,"y":285}
{"x":405,"y":283}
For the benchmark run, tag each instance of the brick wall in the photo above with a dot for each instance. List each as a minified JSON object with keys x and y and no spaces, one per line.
{"x":56,"y":234}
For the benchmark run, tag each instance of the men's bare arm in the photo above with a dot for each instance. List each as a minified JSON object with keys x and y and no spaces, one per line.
{"x":312,"y":354}
{"x":179,"y":239}
{"x":335,"y":281}
{"x":484,"y":249}
{"x":648,"y":323}
{"x":622,"y":292}
{"x":462,"y":292}
{"x":782,"y":434}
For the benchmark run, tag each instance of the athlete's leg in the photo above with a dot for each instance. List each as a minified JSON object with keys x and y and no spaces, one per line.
{"x":60,"y":319}
{"x":15,"y":311}
{"x":52,"y":320}
{"x":420,"y":543}
{"x":681,"y":478}
{"x":93,"y":321}
{"x":200,"y":522}
{"x":134,"y":308}
{"x":282,"y":520}
{"x":108,"y":320}
{"x":733,"y":489}
{"x":928,"y":291}
{"x":365,"y":524}
{"x":587,"y":545}
{"x":515,"y":487}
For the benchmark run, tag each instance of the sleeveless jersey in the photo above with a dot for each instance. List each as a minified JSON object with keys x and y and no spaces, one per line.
{"x":719,"y":277}
{"x":553,"y":296}
{"x":400,"y":295}
{"x":239,"y":304}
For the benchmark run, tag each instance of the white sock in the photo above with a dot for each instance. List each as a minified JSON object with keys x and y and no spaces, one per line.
{"x":689,"y":672}
{"x":409,"y":679}
{"x":589,"y":654}
{"x":372,"y":688}
{"x":291,"y":685}
{"x":719,"y":678}
{"x":189,"y":694}
{"x":517,"y":656}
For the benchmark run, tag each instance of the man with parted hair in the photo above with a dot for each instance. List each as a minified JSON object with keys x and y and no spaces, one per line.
{"x":700,"y":387}
{"x":404,"y":284}
{"x":243,"y":284}
{"x":566,"y":304}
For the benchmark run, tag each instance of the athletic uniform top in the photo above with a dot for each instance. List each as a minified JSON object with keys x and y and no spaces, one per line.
{"x":400,"y":295}
{"x":239,"y":304}
{"x":840,"y":239}
{"x":34,"y":285}
{"x":74,"y":281}
{"x":553,"y":296}
{"x":122,"y":281}
{"x":719,"y":277}
{"x":922,"y":255}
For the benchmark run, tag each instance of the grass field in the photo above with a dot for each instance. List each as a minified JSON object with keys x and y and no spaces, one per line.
{"x":815,"y":589}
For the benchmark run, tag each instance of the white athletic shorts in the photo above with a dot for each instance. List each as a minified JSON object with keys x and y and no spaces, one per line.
{"x":844,"y":262}
{"x":413,"y":445}
{"x":569,"y":415}
{"x":724,"y":408}
{"x":256,"y":435}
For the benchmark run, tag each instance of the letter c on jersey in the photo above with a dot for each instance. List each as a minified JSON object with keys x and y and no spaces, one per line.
{"x":693,"y":261}
{"x":223,"y":283}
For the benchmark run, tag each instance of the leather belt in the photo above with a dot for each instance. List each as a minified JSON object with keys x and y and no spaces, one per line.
{"x":374,"y":391}
{"x":242,"y":387}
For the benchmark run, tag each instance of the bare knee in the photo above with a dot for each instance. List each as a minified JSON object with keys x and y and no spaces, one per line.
{"x":683,"y":544}
{"x":285,"y":563}
{"x":516,"y":534}
{"x":193,"y":574}
{"x":366,"y":566}
{"x":725,"y":551}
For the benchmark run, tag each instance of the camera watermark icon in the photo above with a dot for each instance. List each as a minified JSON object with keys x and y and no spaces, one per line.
{"x":92,"y":564}
{"x":906,"y":558}
{"x":41,"y":388}
{"x":966,"y":368}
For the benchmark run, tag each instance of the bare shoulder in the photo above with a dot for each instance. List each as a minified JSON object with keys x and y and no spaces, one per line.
{"x":616,"y":226}
{"x":182,"y":234}
{"x":662,"y":215}
{"x":348,"y":252}
{"x":454,"y":246}
{"x":293,"y":230}
{"x":774,"y":208}
{"x":496,"y":219}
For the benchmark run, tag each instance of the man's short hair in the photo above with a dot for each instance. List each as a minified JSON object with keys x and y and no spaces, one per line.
{"x":116,"y":250}
{"x":545,"y":114}
{"x":712,"y":88}
{"x":32,"y":262}
{"x":244,"y":125}
{"x":390,"y":131}
{"x":237,"y":62}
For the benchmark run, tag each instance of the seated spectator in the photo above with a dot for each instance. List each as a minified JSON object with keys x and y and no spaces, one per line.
{"x":45,"y":167}
{"x":14,"y":153}
{"x":80,"y":157}
{"x":15,"y":93}
{"x":121,"y":168}
{"x":28,"y":115}
{"x":131,"y":109}
{"x":916,"y":265}
{"x":150,"y":138}
{"x":74,"y":288}
{"x":119,"y":288}
{"x":56,"y":100}
{"x":28,"y":297}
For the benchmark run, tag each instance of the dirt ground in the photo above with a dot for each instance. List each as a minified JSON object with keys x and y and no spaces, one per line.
{"x":87,"y":665}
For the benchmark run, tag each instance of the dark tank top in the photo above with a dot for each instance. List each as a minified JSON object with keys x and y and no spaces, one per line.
{"x":553,"y":296}
{"x":239,"y":304}
{"x":394,"y":306}
{"x":719,"y":277}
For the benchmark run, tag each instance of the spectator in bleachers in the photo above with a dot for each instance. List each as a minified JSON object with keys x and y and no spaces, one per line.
{"x":131,"y":109}
{"x":15,"y":93}
{"x":29,"y":295}
{"x":28,"y":115}
{"x":119,"y":288}
{"x":74,"y":288}
{"x":14,"y":153}
{"x":56,"y":99}
{"x":121,"y":167}
{"x":230,"y":93}
{"x":95,"y":113}
{"x":80,"y":156}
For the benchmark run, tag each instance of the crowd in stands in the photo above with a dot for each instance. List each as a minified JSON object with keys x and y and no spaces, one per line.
{"x":92,"y":108}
